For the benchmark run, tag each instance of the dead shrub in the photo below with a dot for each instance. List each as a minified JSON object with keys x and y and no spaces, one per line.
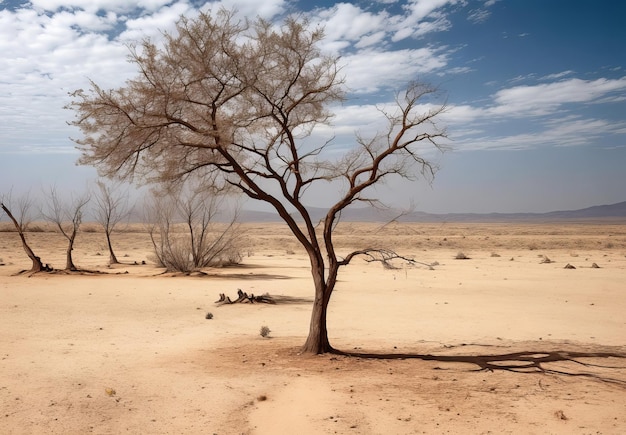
{"x":185,"y":233}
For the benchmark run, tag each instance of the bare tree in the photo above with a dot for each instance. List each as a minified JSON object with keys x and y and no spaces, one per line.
{"x":242,"y":100}
{"x":67,"y":216}
{"x":111,"y":208}
{"x":186,"y":232}
{"x":21,"y":220}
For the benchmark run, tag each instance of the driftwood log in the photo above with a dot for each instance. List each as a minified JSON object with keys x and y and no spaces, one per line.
{"x":245,"y":298}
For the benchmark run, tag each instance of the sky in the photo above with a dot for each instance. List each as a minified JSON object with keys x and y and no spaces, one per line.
{"x":535,"y":89}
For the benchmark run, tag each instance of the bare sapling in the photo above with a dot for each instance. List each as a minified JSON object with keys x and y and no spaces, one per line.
{"x":21,"y":220}
{"x":67,"y":216}
{"x":112,"y":207}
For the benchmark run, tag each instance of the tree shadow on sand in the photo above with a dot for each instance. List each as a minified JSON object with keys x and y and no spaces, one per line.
{"x":606,"y":366}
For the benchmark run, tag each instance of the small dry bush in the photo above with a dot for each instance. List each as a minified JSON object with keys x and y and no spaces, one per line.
{"x":265,"y":331}
{"x":91,"y":228}
{"x":6,"y":227}
{"x":181,"y":255}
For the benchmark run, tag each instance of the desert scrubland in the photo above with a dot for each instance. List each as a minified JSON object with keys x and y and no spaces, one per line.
{"x":501,"y":342}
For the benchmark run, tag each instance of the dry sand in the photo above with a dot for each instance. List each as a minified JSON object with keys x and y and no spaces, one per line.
{"x":132,"y":352}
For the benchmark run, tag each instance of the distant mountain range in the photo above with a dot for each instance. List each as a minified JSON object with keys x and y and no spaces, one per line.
{"x":612,"y":212}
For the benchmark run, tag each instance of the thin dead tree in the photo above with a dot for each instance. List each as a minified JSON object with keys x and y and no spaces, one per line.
{"x":240,"y":101}
{"x":67,"y":216}
{"x":21,"y":220}
{"x":111,"y":208}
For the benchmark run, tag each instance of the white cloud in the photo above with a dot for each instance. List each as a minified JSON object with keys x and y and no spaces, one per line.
{"x":98,"y":5}
{"x":478,"y":16}
{"x":251,"y":8}
{"x":373,"y":70}
{"x":556,"y":76}
{"x":555,"y":132}
{"x":545,"y":98}
{"x":422,"y":16}
{"x":153,"y":24}
{"x":420,"y":9}
{"x":46,"y":55}
{"x":541,"y":111}
{"x":347,"y":26}
{"x":371,"y":39}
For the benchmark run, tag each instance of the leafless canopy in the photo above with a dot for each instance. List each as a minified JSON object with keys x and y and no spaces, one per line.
{"x":234,"y":101}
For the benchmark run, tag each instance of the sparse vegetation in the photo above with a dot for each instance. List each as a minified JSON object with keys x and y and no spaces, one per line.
{"x":264,"y":331}
{"x":461,"y":256}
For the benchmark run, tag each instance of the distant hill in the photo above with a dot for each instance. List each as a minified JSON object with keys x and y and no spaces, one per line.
{"x":612,"y":212}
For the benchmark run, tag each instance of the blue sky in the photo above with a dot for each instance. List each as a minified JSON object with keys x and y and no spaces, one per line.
{"x":536,"y":89}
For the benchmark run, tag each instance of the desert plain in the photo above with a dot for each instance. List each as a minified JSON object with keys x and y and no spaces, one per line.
{"x":502,"y":342}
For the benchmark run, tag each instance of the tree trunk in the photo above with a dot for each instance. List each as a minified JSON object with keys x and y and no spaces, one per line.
{"x":112,"y":257}
{"x":37,"y":265}
{"x":317,"y":342}
{"x":69,"y":263}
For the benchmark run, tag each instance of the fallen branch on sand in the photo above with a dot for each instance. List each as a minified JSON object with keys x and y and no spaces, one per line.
{"x":244,"y":298}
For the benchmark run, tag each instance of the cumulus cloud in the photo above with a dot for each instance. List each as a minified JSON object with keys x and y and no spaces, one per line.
{"x":251,"y":8}
{"x":152,"y":25}
{"x":94,"y":6}
{"x":52,"y":47}
{"x":372,"y":70}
